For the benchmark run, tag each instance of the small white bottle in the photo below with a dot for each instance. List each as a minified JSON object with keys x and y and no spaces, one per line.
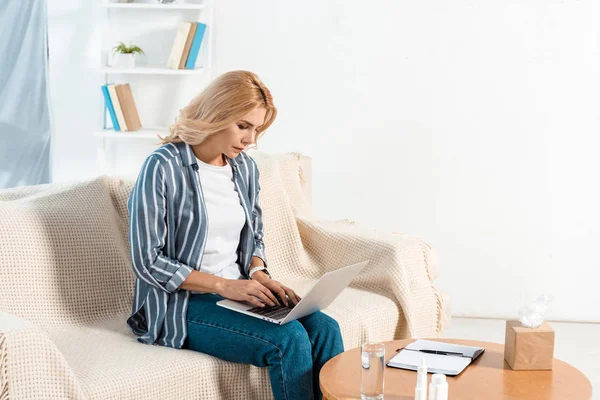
{"x":421,"y":388}
{"x":442,"y":389}
{"x":436,"y":379}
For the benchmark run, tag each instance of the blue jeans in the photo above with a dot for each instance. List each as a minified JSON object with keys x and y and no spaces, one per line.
{"x":294,"y":352}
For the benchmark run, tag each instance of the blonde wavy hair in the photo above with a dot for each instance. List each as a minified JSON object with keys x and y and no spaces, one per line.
{"x":227,"y":99}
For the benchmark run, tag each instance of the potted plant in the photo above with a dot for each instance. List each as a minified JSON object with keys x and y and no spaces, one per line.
{"x":125,"y":55}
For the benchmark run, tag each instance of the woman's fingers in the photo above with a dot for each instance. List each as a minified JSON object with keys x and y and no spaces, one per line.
{"x":266,"y":291}
{"x":291,"y":294}
{"x":281,"y":294}
{"x":254,"y":300}
{"x":274,"y":293}
{"x":261,"y":295}
{"x":277,"y":290}
{"x":269,"y":294}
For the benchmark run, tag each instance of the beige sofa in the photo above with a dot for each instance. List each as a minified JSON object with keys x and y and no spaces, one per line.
{"x":66,"y":288}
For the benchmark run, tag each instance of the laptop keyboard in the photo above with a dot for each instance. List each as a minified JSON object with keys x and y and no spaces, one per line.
{"x":274,"y":312}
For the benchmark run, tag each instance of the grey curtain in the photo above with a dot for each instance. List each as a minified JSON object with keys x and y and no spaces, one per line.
{"x":24,"y":106}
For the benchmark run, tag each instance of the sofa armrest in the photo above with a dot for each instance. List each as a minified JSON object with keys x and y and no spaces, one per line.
{"x":31,"y":366}
{"x":400,"y":265}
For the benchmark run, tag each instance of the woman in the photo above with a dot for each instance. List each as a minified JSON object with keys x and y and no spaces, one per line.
{"x":196,"y":235}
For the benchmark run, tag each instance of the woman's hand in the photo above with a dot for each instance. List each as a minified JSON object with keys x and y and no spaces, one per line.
{"x":276,"y":287}
{"x":247,"y":290}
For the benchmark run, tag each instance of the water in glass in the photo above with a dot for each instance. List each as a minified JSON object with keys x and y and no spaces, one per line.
{"x":371,"y":380}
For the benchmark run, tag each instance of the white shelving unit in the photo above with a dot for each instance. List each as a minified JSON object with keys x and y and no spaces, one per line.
{"x":154,"y":6}
{"x":143,"y":133}
{"x":143,"y":70}
{"x":151,"y":9}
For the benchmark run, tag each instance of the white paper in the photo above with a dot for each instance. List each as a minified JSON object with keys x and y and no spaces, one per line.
{"x":409,"y":358}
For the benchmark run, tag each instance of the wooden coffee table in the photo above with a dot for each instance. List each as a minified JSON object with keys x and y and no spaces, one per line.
{"x":489,"y":377}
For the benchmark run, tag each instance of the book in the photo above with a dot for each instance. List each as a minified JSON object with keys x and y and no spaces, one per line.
{"x":179,"y":45}
{"x":195,"y":49}
{"x":127,"y":102}
{"x":109,"y":105}
{"x":188,"y":45}
{"x":440,"y":358}
{"x":117,"y":107}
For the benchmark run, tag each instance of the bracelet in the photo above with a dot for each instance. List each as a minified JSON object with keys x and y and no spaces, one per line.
{"x":258,"y":268}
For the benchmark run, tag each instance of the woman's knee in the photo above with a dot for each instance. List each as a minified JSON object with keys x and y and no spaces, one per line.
{"x":322,"y":322}
{"x":333,"y":328}
{"x":326,"y":329}
{"x":294,"y":331}
{"x":330,"y":322}
{"x":293,"y":335}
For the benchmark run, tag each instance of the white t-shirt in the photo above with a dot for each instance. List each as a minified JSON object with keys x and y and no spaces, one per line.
{"x":226,"y":218}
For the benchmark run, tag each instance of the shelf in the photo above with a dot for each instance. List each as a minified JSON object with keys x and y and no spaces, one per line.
{"x":142,"y":133}
{"x":151,"y":71}
{"x":182,"y":10}
{"x":154,"y":6}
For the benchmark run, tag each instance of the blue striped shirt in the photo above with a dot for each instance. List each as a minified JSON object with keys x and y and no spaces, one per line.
{"x":168,"y":226}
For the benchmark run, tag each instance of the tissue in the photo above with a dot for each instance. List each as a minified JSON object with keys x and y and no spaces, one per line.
{"x":532,"y":315}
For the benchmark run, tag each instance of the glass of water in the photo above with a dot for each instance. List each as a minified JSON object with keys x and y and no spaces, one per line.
{"x":371,"y":378}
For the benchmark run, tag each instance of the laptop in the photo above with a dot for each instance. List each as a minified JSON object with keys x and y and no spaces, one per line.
{"x":319,"y":297}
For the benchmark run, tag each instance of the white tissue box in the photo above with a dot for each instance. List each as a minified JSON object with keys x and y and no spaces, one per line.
{"x":529,"y":348}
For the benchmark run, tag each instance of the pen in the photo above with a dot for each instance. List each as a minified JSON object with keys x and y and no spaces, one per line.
{"x":443,"y":353}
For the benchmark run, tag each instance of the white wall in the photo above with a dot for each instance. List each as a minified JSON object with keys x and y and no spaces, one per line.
{"x":471,"y":124}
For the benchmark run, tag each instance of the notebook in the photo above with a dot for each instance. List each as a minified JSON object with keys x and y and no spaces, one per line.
{"x":440,"y":358}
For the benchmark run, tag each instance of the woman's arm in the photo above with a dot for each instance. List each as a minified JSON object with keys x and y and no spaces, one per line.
{"x":203,"y":282}
{"x":257,"y":223}
{"x":234,"y":289}
{"x":147,"y":227}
